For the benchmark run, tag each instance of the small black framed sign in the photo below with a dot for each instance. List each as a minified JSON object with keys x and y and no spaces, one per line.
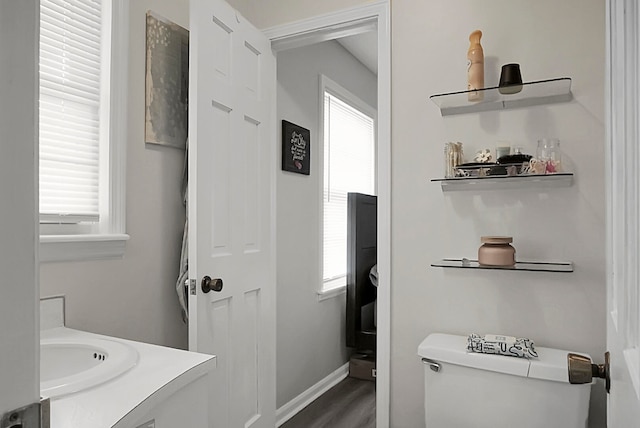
{"x":296,"y":148}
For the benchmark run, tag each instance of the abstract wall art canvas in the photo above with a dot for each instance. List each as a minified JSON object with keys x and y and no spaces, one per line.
{"x":166,"y":82}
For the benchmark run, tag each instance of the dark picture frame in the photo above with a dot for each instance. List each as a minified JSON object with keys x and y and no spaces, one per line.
{"x":296,"y":148}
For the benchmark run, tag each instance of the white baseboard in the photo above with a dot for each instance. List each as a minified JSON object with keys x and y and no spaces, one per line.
{"x":289,"y":410}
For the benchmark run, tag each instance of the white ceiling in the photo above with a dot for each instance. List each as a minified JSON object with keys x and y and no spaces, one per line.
{"x":364,"y":47}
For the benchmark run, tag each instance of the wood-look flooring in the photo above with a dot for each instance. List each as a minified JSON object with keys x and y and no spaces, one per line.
{"x":349,"y":404}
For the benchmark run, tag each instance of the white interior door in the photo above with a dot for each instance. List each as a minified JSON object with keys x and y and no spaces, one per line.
{"x":232,"y":176}
{"x":19,"y":347}
{"x":623,"y":222}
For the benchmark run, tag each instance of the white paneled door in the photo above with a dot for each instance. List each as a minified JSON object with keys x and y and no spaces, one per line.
{"x":232,"y":176}
{"x":19,"y":329}
{"x":623,"y":212}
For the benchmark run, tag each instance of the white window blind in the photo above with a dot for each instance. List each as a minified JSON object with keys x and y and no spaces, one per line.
{"x":70,"y":99}
{"x":349,"y":166}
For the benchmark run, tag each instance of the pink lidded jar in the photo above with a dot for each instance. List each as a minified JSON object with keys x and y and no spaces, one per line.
{"x":496,"y":251}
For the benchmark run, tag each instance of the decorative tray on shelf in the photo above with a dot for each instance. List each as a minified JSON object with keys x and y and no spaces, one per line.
{"x":533,"y":93}
{"x":562,"y":267}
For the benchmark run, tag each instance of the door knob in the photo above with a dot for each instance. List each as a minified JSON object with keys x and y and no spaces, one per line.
{"x":582,"y":370}
{"x":209,"y":284}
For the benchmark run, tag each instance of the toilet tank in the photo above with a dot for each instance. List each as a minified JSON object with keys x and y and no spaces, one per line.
{"x":464,"y":389}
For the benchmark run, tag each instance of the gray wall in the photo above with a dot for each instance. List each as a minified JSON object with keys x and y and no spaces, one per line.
{"x":567,"y":311}
{"x":310,"y":333}
{"x":134,"y":297}
{"x":429,"y":45}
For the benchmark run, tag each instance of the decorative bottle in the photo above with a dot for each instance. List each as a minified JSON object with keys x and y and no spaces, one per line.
{"x":475,"y":67}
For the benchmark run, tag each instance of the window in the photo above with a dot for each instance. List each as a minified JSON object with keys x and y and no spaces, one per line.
{"x":82,"y":132}
{"x":349,"y":166}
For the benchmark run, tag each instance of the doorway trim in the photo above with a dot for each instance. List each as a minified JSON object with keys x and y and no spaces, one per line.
{"x":331,"y":26}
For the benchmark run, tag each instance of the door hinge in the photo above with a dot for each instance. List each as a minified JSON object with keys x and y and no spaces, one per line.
{"x":192,"y":287}
{"x":36,"y":415}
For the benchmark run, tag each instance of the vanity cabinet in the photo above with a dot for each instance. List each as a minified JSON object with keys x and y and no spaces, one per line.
{"x":533,"y":93}
{"x":185,"y":406}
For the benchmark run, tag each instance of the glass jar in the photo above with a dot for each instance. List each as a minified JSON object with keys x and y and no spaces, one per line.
{"x":453,"y":157}
{"x":549,"y":154}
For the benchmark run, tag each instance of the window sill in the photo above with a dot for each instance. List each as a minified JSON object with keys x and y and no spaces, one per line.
{"x":65,"y":248}
{"x":331,"y":293}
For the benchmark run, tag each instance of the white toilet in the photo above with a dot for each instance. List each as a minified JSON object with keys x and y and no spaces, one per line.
{"x":465,"y":389}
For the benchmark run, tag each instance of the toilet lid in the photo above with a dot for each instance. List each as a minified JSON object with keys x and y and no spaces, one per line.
{"x":551,"y":363}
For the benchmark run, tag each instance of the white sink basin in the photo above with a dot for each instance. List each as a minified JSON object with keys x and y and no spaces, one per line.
{"x":72,"y":365}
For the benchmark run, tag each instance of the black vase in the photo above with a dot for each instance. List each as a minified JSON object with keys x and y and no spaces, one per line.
{"x":510,"y":79}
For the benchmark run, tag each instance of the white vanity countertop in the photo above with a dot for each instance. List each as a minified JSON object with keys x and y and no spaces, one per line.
{"x":120,"y":402}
